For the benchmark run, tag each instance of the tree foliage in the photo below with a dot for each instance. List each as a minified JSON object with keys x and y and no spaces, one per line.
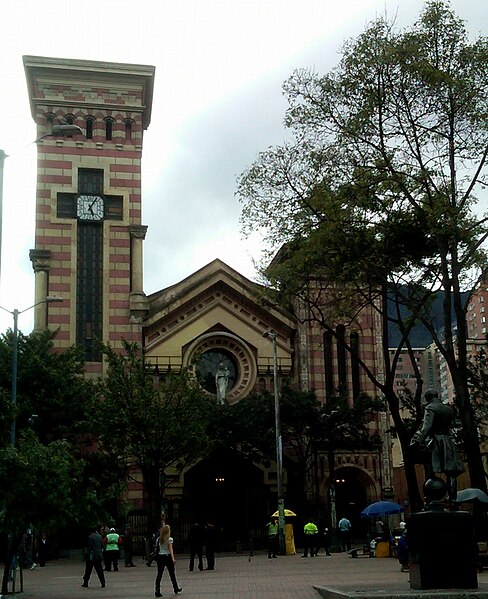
{"x":376,"y":193}
{"x":45,"y":480}
{"x":139,"y":424}
{"x":41,"y":485}
{"x":478,"y":384}
{"x":248,"y":427}
{"x":51,"y":391}
{"x":49,"y":417}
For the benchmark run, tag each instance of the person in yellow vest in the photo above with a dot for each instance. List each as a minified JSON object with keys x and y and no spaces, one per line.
{"x":310,"y":532}
{"x":272,"y":530}
{"x":112,"y":550}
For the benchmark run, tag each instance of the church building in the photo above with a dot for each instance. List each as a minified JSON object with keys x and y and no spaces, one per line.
{"x":89,"y":250}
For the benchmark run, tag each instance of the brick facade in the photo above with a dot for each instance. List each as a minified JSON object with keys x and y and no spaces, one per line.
{"x":111,"y":103}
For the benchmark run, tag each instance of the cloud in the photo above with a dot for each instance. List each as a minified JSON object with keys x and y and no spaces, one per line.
{"x":217,"y":102}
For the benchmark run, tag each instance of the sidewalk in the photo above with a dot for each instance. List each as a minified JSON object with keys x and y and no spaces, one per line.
{"x":240,"y":577}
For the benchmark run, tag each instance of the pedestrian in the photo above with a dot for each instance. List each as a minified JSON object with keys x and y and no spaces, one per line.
{"x":196,"y":545}
{"x":154,"y":548}
{"x":165,"y":558}
{"x":93,"y":558}
{"x":25,"y":551}
{"x":128,"y":543}
{"x":210,"y":545}
{"x":112,"y":550}
{"x":42,"y":549}
{"x":379,"y":528}
{"x":272,"y":530}
{"x":310,"y":532}
{"x":402,"y":552}
{"x":345,"y":533}
{"x":323,"y":539}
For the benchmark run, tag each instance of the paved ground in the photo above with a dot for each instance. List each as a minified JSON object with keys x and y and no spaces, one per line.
{"x":240,"y":577}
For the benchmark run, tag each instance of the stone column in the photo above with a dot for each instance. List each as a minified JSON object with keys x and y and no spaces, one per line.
{"x":138,"y":301}
{"x":137,"y":236}
{"x":41,"y":263}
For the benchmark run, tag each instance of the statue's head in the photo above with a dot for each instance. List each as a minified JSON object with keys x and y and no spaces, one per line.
{"x":435,"y":490}
{"x":431,"y":395}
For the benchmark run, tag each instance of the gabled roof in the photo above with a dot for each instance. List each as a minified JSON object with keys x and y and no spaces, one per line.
{"x":216,"y":273}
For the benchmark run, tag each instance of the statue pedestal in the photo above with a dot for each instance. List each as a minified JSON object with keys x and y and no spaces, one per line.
{"x":442,"y":550}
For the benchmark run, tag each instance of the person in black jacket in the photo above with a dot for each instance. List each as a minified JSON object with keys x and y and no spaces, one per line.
{"x":94,"y":557}
{"x":128,"y":544}
{"x":196,"y":545}
{"x":323,"y":539}
{"x":211,"y":533}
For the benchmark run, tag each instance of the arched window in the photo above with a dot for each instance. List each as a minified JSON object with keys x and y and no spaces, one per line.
{"x":69,"y":119}
{"x":108,"y":129}
{"x":356,"y":385}
{"x":89,"y":128}
{"x":128,"y":131}
{"x":341,"y":357}
{"x":328,"y":363}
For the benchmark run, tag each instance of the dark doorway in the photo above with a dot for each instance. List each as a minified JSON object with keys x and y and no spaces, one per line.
{"x":351,"y":499}
{"x":230,"y":491}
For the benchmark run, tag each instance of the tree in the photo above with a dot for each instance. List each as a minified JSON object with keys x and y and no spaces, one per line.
{"x":309,"y":427}
{"x":375,"y":194}
{"x":44,"y":478}
{"x":40,"y":487}
{"x":139,"y":425}
{"x":478,"y":382}
{"x":248,"y":428}
{"x":52,"y":393}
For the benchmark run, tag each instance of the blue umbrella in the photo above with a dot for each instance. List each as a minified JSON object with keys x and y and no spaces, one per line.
{"x":471,"y":495}
{"x":381,"y":508}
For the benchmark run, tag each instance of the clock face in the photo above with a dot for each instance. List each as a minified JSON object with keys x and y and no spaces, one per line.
{"x":90,"y":207}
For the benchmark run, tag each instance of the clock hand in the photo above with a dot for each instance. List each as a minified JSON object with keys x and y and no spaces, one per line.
{"x":90,"y":207}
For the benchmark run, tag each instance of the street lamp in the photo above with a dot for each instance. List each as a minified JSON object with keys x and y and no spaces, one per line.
{"x":271,"y":334}
{"x":15,"y":313}
{"x":327,"y":418}
{"x":58,"y":130}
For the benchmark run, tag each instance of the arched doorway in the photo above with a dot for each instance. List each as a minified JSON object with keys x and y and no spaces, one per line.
{"x":352,"y":489}
{"x":230,"y":491}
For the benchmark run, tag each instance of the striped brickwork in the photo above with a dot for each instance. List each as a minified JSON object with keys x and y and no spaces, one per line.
{"x":311,"y":372}
{"x":90,"y":95}
{"x":310,"y":349}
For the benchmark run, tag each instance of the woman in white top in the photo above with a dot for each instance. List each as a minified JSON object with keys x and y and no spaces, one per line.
{"x":165,"y":558}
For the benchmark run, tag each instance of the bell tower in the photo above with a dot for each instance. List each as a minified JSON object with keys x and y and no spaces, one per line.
{"x":88,"y":231}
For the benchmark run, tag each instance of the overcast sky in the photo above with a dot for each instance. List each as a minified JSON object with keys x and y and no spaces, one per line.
{"x":220,"y":65}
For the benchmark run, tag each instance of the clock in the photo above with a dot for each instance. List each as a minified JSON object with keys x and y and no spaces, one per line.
{"x":90,"y":207}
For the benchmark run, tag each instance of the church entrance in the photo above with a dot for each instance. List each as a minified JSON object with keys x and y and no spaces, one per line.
{"x":229,"y":491}
{"x":352,"y":497}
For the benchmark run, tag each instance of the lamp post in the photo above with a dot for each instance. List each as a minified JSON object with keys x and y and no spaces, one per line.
{"x":58,"y":130}
{"x":271,"y":334}
{"x":327,"y":419}
{"x":15,"y":313}
{"x":2,"y":162}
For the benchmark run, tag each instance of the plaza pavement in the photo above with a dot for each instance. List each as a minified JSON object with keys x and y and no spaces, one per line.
{"x":239,"y":576}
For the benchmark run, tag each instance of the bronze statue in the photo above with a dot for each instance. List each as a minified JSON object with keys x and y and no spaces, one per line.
{"x":442,"y":455}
